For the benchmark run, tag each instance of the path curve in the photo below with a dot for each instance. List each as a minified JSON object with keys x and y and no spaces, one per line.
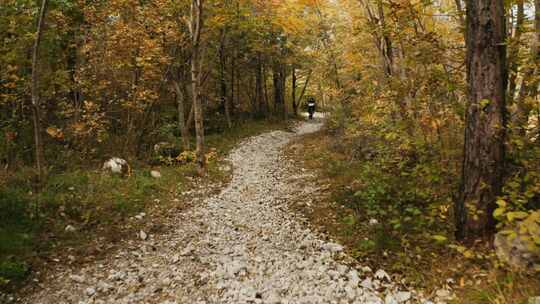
{"x":241,"y":246}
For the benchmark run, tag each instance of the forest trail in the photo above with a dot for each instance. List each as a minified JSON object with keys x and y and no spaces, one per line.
{"x":243,"y":245}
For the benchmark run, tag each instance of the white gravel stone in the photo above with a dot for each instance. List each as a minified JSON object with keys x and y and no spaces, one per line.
{"x":143,"y":235}
{"x":70,"y":228}
{"x":77,"y":278}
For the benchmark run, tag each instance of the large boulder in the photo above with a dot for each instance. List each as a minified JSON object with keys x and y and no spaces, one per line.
{"x":519,"y":246}
{"x":117,"y":165}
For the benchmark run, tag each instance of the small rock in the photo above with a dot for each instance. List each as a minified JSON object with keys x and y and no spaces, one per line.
{"x":367,"y":283}
{"x":366,"y":269}
{"x":273,"y":298}
{"x":534,"y":300}
{"x":166,"y":282}
{"x":116,"y":165}
{"x":443,"y":293}
{"x":77,"y":278}
{"x":333,"y":247}
{"x":382,"y":275}
{"x":70,"y":228}
{"x":103,"y":287}
{"x":402,"y":296}
{"x":155,"y":174}
{"x":187,"y":251}
{"x":389,"y":299}
{"x":354,"y":279}
{"x":90,"y":291}
{"x":143,"y":235}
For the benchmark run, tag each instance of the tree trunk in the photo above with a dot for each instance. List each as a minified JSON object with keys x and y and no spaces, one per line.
{"x":279,"y":89}
{"x":196,"y":63}
{"x":513,"y":52}
{"x":180,"y":98}
{"x":484,"y":151}
{"x":306,"y":83}
{"x":293,"y":92}
{"x":265,"y":89}
{"x":259,"y":94}
{"x":529,"y":85}
{"x":36,"y":103}
{"x":222,"y":80}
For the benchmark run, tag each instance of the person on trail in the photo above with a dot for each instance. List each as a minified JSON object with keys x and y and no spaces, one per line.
{"x":311,"y":106}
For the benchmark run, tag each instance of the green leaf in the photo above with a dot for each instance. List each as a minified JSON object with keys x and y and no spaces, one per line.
{"x":499,"y":212}
{"x":439,"y":238}
{"x":516,"y":215}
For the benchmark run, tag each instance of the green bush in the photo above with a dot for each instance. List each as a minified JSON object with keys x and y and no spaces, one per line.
{"x":12,"y":272}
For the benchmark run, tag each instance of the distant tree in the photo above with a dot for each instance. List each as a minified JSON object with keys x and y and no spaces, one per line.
{"x":196,"y":24}
{"x":36,"y":104}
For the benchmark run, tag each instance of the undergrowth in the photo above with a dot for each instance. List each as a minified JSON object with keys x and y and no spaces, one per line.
{"x":391,"y":200}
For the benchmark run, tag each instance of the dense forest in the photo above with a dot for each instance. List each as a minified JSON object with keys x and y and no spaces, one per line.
{"x":432,"y":113}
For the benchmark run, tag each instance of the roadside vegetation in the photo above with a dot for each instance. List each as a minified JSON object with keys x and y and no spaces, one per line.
{"x":83,"y":212}
{"x":392,"y":212}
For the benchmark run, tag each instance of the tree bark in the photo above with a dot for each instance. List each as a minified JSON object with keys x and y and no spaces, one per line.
{"x":36,"y":102}
{"x":485,"y":125}
{"x":293,"y":92}
{"x":306,"y":83}
{"x":222,"y":80}
{"x":259,"y":94}
{"x":279,"y":88}
{"x":196,"y":25}
{"x":180,"y":98}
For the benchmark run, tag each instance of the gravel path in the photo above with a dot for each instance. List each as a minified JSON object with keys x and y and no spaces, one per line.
{"x":241,"y":246}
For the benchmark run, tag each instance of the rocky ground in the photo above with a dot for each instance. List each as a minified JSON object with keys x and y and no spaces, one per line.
{"x":243,"y":245}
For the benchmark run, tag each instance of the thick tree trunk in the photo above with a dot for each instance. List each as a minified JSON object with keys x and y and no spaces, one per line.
{"x":484,"y":152}
{"x":180,"y":102}
{"x":36,"y":103}
{"x":195,"y":29}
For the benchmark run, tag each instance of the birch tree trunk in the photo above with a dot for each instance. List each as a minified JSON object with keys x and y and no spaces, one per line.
{"x":513,"y":53}
{"x":36,"y":103}
{"x":485,"y":126}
